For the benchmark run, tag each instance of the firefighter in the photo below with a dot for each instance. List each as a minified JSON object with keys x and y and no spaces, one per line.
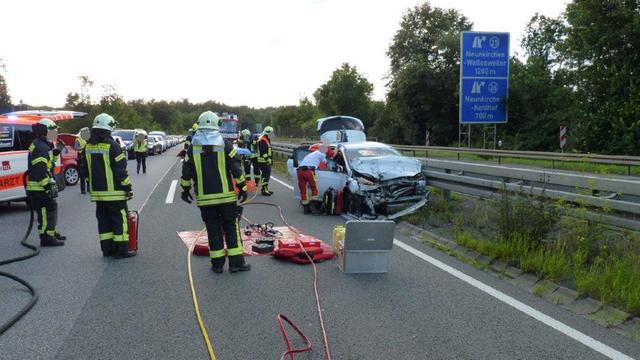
{"x":79,"y":145}
{"x":254,"y":158}
{"x":187,"y":142}
{"x":109,"y":186}
{"x":140,"y":150}
{"x":265,"y":159}
{"x":41,"y":186}
{"x":245,"y":142}
{"x":212,"y":163}
{"x":306,"y":173}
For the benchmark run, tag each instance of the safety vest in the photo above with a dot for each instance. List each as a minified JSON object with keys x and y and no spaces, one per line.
{"x":40,"y":164}
{"x":140,"y":147}
{"x":80,"y":145}
{"x":107,"y":167}
{"x":264,"y":152}
{"x":212,"y":170}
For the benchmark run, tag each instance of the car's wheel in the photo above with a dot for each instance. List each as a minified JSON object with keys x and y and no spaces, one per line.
{"x":71,"y":175}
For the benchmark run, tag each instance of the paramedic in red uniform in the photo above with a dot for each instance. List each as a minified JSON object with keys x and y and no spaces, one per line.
{"x":307,"y":173}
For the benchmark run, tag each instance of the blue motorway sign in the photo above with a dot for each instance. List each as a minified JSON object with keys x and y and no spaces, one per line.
{"x":483,"y":100}
{"x":484,"y":77}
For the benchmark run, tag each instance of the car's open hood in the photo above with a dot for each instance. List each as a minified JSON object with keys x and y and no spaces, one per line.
{"x":387,"y":167}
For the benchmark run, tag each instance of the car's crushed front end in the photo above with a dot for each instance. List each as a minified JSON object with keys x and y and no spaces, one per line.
{"x":391,"y":186}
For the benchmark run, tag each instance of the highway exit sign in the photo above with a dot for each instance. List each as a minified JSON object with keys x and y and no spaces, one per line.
{"x":484,"y":77}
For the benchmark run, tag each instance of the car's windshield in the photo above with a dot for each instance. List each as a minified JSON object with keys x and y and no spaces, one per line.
{"x":364,"y":152}
{"x":152,"y":139}
{"x":126,"y":135}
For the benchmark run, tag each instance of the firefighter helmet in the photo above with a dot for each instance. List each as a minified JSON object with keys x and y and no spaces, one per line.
{"x":105,"y":122}
{"x":208,"y":120}
{"x":49,"y":124}
{"x":268,"y":130}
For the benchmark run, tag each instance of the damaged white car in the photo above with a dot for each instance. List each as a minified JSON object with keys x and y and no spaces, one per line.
{"x":374,"y":179}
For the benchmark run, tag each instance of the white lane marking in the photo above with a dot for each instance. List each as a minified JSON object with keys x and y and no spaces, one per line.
{"x":528,"y":310}
{"x":158,"y":183}
{"x":171,"y":193}
{"x":545,"y":319}
{"x":282,"y":183}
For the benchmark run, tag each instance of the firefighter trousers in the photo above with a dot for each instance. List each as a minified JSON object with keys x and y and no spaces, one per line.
{"x":265,"y":173}
{"x":112,"y":223}
{"x":47,"y":210}
{"x":82,"y":175}
{"x":246,"y":165}
{"x":307,"y":177}
{"x":221,"y":219}
{"x":256,"y":171}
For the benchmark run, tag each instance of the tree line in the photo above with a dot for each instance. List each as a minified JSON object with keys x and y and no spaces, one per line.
{"x":580,"y":69}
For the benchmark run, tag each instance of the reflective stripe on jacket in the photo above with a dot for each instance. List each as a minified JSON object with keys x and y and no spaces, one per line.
{"x":264,"y":150}
{"x":40,"y":165}
{"x":79,"y":145}
{"x":106,"y":167}
{"x":140,"y":146}
{"x":212,"y":168}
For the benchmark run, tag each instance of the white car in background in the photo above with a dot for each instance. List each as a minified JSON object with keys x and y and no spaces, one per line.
{"x":161,"y":139}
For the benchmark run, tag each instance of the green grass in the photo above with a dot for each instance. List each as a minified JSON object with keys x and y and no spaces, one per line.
{"x":280,"y":164}
{"x":548,"y":164}
{"x":615,"y":281}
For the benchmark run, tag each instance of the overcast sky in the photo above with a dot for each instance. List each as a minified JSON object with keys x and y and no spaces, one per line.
{"x":241,"y":52}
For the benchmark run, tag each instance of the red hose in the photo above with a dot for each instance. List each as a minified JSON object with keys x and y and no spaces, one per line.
{"x":280,"y":317}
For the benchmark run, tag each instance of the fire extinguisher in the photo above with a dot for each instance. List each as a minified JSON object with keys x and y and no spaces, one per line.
{"x":132,"y":220}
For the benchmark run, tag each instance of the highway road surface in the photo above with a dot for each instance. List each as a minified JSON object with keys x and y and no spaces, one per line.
{"x":428,"y":306}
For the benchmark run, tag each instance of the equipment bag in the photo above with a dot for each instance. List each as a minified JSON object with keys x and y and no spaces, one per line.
{"x":329,"y":201}
{"x":290,"y":249}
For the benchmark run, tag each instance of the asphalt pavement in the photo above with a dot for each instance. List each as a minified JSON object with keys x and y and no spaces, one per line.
{"x":140,"y":308}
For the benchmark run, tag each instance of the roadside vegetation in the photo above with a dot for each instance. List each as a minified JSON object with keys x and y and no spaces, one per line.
{"x":573,"y":70}
{"x":540,"y":237}
{"x":548,"y":164}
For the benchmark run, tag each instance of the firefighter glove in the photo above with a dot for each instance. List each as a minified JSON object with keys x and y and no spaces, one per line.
{"x":56,"y":152}
{"x":186,"y":197}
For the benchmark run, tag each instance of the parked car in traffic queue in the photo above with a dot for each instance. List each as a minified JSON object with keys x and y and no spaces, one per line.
{"x":69,"y":159}
{"x":153,"y":145}
{"x":122,"y":145}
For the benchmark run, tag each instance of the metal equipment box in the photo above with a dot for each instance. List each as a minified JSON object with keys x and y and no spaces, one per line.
{"x":366,"y":246}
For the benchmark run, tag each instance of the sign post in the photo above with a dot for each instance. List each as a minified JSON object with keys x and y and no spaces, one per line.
{"x":563,"y":137}
{"x":484,"y":78}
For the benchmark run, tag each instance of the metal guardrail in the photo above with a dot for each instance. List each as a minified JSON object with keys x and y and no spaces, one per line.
{"x":619,"y":197}
{"x":620,"y":160}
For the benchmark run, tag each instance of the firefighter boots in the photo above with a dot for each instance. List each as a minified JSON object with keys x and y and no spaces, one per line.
{"x":122,"y":251}
{"x":48,"y":240}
